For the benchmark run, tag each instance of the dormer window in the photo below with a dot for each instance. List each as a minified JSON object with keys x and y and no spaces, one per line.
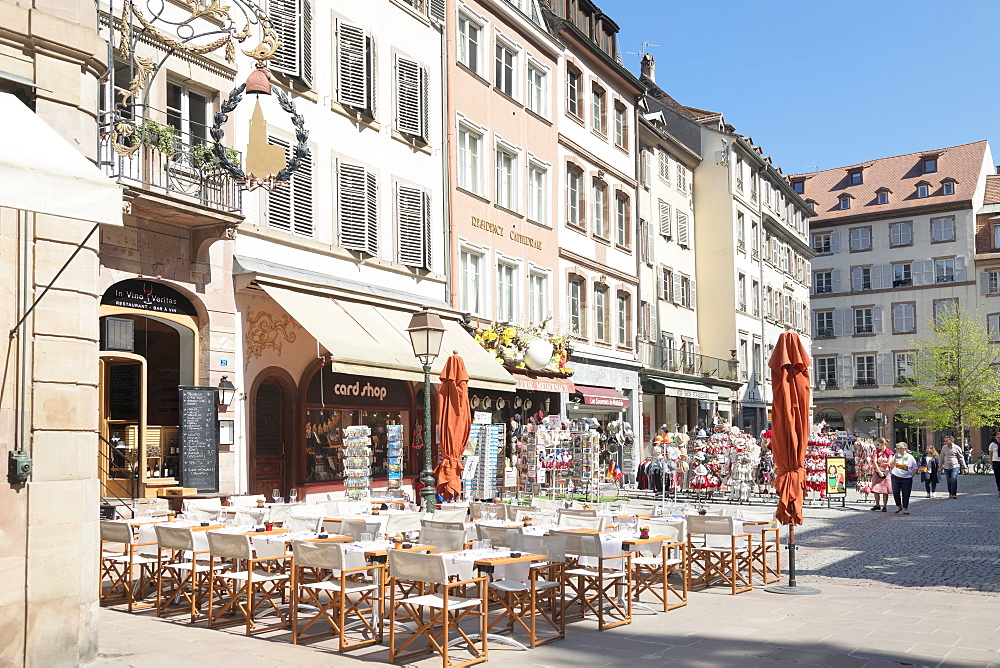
{"x":855,"y":177}
{"x":948,"y":186}
{"x":929,"y":165}
{"x":845,"y":202}
{"x":882,"y":195}
{"x":923,"y":189}
{"x":811,"y":203}
{"x":799,"y":186}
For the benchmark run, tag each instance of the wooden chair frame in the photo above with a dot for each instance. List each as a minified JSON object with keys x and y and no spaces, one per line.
{"x":725,"y":563}
{"x":338,"y":609}
{"x":655,"y":577}
{"x":181,"y":577}
{"x":245,"y":599}
{"x":762,"y":553}
{"x":591,"y":586}
{"x":130,"y":573}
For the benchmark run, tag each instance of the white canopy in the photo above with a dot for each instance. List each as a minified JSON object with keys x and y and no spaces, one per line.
{"x":42,"y":172}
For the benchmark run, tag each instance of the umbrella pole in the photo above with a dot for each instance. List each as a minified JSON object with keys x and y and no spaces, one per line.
{"x":791,"y":587}
{"x":791,"y":555}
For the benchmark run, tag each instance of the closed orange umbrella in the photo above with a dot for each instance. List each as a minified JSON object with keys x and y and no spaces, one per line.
{"x":455,"y":421}
{"x":790,"y":434}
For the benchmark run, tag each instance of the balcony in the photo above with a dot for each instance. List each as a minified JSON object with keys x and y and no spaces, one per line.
{"x":166,"y":162}
{"x":865,"y":382}
{"x":945,"y":277}
{"x":824,"y":333}
{"x":902,"y":282}
{"x":824,"y":289}
{"x":864,"y":329}
{"x":655,"y":356}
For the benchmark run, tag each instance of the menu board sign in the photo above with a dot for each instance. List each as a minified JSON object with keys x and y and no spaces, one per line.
{"x":199,"y":438}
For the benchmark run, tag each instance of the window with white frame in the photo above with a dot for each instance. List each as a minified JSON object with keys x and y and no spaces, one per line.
{"x":883,"y":196}
{"x":861,"y":238}
{"x":944,"y":270}
{"x":992,"y":282}
{"x":993,"y":325}
{"x":821,"y":243}
{"x":598,"y":112}
{"x":470,"y":160}
{"x":902,"y":274}
{"x":573,"y":81}
{"x":943,"y":228}
{"x":682,"y":178}
{"x":943,"y":310}
{"x":355,"y":67}
{"x":923,"y":190}
{"x":574,"y":307}
{"x":621,"y":125}
{"x":470,"y":42}
{"x":666,"y":284}
{"x":756,"y":297}
{"x":864,"y":371}
{"x":538,"y":89}
{"x":904,"y":367}
{"x":948,"y":188}
{"x":506,"y":177}
{"x":602,"y":320}
{"x":187,"y":113}
{"x":741,"y":292}
{"x":471,"y":267}
{"x":357,"y":207}
{"x":864,"y":322}
{"x":600,"y":196}
{"x":740,"y":230}
{"x":574,"y":196}
{"x":826,"y":371}
{"x":538,"y":297}
{"x":904,"y":319}
{"x":506,"y":69}
{"x":824,"y":324}
{"x":538,"y":178}
{"x":506,"y":292}
{"x":622,"y":220}
{"x":412,"y":97}
{"x":901,"y":234}
{"x":624,"y":312}
{"x":685,"y":296}
{"x":413,"y":226}
{"x":664,"y":165}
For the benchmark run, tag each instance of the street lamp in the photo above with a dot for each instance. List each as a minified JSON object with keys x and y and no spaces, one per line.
{"x":821,"y":386}
{"x":878,"y":420}
{"x":227,"y":391}
{"x":426,"y":331}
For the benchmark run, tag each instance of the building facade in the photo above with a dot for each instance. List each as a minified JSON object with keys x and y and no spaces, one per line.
{"x":896,"y":244}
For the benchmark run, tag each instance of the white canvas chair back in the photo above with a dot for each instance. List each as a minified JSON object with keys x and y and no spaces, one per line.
{"x":499,"y":536}
{"x":203,"y":513}
{"x":476,"y":510}
{"x":576,"y":522}
{"x":718,"y":530}
{"x":450,"y":514}
{"x":318,"y":555}
{"x":280,"y":513}
{"x":417,"y":567}
{"x":250,"y":517}
{"x":573,"y":512}
{"x":553,"y":547}
{"x":402,"y":523}
{"x":546,"y":504}
{"x":247,"y":499}
{"x":209,"y":504}
{"x":431,"y":524}
{"x":331,"y":508}
{"x":664,"y":529}
{"x":354,"y":528}
{"x":174,"y":538}
{"x":445,"y":540}
{"x":523,"y":511}
{"x":116,"y":532}
{"x":304,"y":519}
{"x":355,"y":508}
{"x":229,"y":545}
{"x":572,"y":540}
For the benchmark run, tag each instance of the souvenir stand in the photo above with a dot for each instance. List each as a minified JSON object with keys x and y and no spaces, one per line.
{"x":585,"y":446}
{"x":542,"y":455}
{"x":485,"y":456}
{"x":765,"y":468}
{"x":818,"y":449}
{"x":744,"y":456}
{"x":358,"y":461}
{"x":864,"y":453}
{"x":394,"y":455}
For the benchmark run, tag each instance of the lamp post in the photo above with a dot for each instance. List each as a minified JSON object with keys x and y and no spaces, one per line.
{"x":878,"y":420}
{"x":227,"y":391}
{"x":426,"y":332}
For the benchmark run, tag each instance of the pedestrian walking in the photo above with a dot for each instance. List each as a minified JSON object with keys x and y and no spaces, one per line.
{"x":952,"y":462}
{"x":903,"y":467}
{"x":995,"y":458}
{"x":881,"y":472}
{"x":929,"y":470}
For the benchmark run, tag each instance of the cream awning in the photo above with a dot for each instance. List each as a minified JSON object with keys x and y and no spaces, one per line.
{"x":42,"y":172}
{"x":365,"y":339}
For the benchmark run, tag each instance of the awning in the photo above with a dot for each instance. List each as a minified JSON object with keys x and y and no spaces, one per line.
{"x":42,"y":172}
{"x":679,"y":388}
{"x":543,"y":384}
{"x":602,"y":396}
{"x":364,"y":339}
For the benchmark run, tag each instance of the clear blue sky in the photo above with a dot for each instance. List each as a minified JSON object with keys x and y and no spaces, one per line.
{"x":822,"y":84}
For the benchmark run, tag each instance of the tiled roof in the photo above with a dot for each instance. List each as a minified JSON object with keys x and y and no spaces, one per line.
{"x":992,"y":189}
{"x":900,"y":174}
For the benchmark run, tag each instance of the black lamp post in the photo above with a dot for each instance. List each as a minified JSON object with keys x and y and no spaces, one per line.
{"x":426,"y":331}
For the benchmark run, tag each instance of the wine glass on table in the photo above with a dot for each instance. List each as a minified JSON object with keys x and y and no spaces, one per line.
{"x":275,"y":494}
{"x":293,"y":495}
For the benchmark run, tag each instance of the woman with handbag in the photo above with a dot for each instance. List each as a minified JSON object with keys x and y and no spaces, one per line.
{"x":929,"y":470}
{"x":904,"y":465}
{"x":881,"y":471}
{"x":952,"y":462}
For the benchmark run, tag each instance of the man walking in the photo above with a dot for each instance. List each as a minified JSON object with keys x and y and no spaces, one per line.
{"x":995,"y":458}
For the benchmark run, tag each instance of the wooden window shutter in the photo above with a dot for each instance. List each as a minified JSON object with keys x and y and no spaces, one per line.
{"x":352,"y":210}
{"x":682,"y":229}
{"x":279,"y":200}
{"x":408,"y":97}
{"x":302,"y":197}
{"x":411,"y":222}
{"x":371,"y":212}
{"x":425,"y":123}
{"x":352,"y":65}
{"x":437,"y":9}
{"x":664,"y":219}
{"x":305,"y":55}
{"x":292,"y":21}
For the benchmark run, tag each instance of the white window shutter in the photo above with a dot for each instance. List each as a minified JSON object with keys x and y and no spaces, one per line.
{"x":906,"y":235}
{"x":302,"y":197}
{"x":839,"y":322}
{"x":682,"y":229}
{"x":884,"y":367}
{"x":661,"y":282}
{"x":279,"y":199}
{"x":371,"y":212}
{"x":408,"y":100}
{"x":646,"y":166}
{"x":895,"y":234}
{"x":352,"y":65}
{"x":835,"y":241}
{"x":677,"y":288}
{"x":437,"y":9}
{"x":693,"y":303}
{"x":284,"y":17}
{"x":352,"y":211}
{"x":425,"y":122}
{"x":654,"y":326}
{"x":845,"y":370}
{"x":650,"y":244}
{"x":961,"y":275}
{"x":410,"y":214}
{"x":664,"y":219}
{"x":306,"y":55}
{"x":856,"y":279}
{"x":372,"y":47}
{"x":877,"y":319}
{"x":984,"y":283}
{"x":835,"y":280}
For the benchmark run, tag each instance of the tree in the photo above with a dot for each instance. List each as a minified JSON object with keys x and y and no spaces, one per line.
{"x":955,"y":380}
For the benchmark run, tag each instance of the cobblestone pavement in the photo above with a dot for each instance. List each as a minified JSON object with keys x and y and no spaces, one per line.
{"x":918,"y":590}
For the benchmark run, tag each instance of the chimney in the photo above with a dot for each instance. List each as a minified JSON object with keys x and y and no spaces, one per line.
{"x":647,"y":67}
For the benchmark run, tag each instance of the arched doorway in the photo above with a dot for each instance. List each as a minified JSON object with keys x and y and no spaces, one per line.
{"x":834,"y":419}
{"x":272,"y":438}
{"x":865,"y":424}
{"x":912,"y":434}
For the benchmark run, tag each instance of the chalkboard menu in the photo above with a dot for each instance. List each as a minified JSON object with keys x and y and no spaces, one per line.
{"x":123,"y":391}
{"x":199,"y":438}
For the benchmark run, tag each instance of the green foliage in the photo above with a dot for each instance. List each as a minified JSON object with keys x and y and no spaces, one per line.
{"x":956,"y":384}
{"x":158,"y":136}
{"x":204,"y":157}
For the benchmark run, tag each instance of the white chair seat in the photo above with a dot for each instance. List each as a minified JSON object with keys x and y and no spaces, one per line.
{"x":351,"y":587}
{"x":258,"y":576}
{"x":199,"y":567}
{"x":437,"y":601}
{"x":720,"y":550}
{"x":654,"y":561}
{"x":136,"y":560}
{"x":586,"y":572}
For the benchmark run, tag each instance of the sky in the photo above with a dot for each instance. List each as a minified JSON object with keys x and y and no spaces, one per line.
{"x":820,"y":84}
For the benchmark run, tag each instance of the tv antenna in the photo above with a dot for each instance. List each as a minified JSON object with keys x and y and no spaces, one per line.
{"x":643,"y":50}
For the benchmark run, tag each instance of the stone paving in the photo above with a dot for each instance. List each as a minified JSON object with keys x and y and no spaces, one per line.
{"x":897,"y":590}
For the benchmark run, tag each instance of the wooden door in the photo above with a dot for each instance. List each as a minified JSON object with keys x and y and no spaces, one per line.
{"x":271,"y":439}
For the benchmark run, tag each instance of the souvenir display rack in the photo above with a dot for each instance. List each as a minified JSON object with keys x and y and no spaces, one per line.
{"x":486,"y":443}
{"x":394,"y":455}
{"x":357,"y":461}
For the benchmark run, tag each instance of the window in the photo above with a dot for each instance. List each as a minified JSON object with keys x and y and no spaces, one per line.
{"x":743,"y":358}
{"x":754,"y":237}
{"x":624,"y":319}
{"x":826,"y":370}
{"x":598,"y":114}
{"x":902,"y":274}
{"x":470,"y":41}
{"x":600,"y":211}
{"x":904,"y":367}
{"x":357,"y":214}
{"x":355,"y":68}
{"x":664,"y":165}
{"x":411,"y":98}
{"x":622,"y":220}
{"x":944,"y":309}
{"x":821,"y":243}
{"x":741,"y":292}
{"x":991,"y":282}
{"x":930,"y":165}
{"x":682,"y":229}
{"x":293,"y":23}
{"x":923,"y":190}
{"x":413,"y":226}
{"x":506,"y":195}
{"x":290,"y":209}
{"x":574,"y":197}
{"x":799,"y":187}
{"x":944,"y":270}
{"x":823,"y":282}
{"x":666,"y":284}
{"x":993,"y":325}
{"x":824,"y":324}
{"x":601,"y":320}
{"x":901,"y":234}
{"x":861,"y":239}
{"x":863,"y":320}
{"x":682,"y":178}
{"x":538,"y":90}
{"x":506,"y":292}
{"x":506,"y":69}
{"x":538,"y":178}
{"x":943,"y":229}
{"x":685,"y":296}
{"x":883,"y":196}
{"x":904,"y":318}
{"x":756,"y":297}
{"x":845,"y":202}
{"x":573,"y":92}
{"x":740,"y":230}
{"x":948,"y":188}
{"x":538,"y":297}
{"x":664,"y":219}
{"x":864,"y":371}
{"x":996,"y":236}
{"x":621,"y":126}
{"x":855,"y":177}
{"x":575,"y":307}
{"x":471,"y":264}
{"x":187,"y":114}
{"x":861,"y":278}
{"x":470,"y":160}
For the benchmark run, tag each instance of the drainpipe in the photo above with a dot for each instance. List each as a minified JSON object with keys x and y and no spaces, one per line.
{"x":445,"y":153}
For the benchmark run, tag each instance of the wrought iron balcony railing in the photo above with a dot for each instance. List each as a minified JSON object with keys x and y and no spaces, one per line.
{"x":655,"y":356}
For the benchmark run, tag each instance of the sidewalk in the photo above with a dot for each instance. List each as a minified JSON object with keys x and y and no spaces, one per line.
{"x":896,"y":590}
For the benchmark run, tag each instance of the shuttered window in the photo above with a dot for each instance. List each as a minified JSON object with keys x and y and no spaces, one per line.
{"x":292,"y":21}
{"x":682,"y":229}
{"x":357,"y":211}
{"x":411,"y":98}
{"x":355,"y":67}
{"x":290,"y":206}
{"x":413,"y":226}
{"x":664,"y":219}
